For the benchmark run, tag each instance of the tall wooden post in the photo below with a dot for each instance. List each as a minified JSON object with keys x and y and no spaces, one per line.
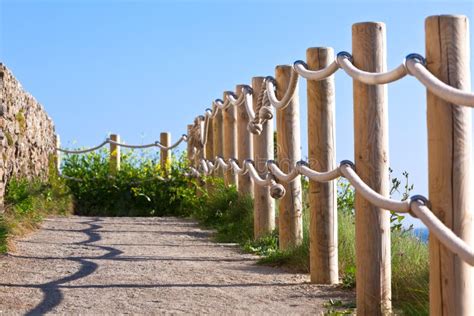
{"x":449,"y":164}
{"x":373,"y":275}
{"x":289,"y":152}
{"x":264,"y":204}
{"x":189,"y":147}
{"x":322,"y":157}
{"x":165,"y":154}
{"x":209,"y":147}
{"x":245,"y":145}
{"x":218,"y":138}
{"x":57,"y":156}
{"x":114,"y":160}
{"x":230,"y":141}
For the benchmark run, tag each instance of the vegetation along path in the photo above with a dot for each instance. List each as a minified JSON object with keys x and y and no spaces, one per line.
{"x":145,"y":265}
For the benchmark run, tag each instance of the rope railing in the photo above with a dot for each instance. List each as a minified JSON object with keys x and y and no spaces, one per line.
{"x":109,"y":141}
{"x":415,"y":205}
{"x":259,"y":102}
{"x":414,"y":64}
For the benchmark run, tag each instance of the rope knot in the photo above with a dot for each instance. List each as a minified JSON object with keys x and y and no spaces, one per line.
{"x":265,"y":113}
{"x":255,"y":128}
{"x":277,"y":191}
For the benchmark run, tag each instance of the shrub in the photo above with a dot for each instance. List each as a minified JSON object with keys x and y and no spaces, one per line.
{"x":28,"y":201}
{"x":137,"y":189}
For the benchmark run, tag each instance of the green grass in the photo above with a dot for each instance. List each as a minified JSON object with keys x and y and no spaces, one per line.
{"x":27,"y":202}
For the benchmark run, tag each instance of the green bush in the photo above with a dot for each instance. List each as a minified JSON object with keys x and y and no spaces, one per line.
{"x":28,"y":201}
{"x":135,"y":190}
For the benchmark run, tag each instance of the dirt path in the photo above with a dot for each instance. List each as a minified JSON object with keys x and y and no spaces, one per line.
{"x":145,"y":266}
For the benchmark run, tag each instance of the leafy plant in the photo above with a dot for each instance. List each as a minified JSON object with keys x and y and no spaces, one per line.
{"x":27,"y":201}
{"x":139,"y":188}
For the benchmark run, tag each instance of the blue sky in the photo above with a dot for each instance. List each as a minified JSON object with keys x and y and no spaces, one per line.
{"x":138,"y":68}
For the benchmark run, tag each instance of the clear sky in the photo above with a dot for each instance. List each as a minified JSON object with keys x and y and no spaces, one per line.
{"x":138,"y":68}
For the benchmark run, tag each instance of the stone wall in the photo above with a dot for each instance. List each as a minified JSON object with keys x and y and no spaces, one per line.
{"x":27,"y":135}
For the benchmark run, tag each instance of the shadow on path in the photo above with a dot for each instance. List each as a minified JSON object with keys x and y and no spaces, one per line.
{"x":52,"y":295}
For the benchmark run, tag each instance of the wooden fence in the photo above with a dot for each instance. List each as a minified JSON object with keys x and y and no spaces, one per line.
{"x":227,"y":144}
{"x":234,"y":141}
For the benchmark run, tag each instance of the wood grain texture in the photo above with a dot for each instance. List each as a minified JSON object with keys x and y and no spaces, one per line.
{"x":218,"y":138}
{"x":322,"y":157}
{"x":189,"y":148}
{"x":290,"y":223}
{"x":373,"y":264}
{"x":230,"y":142}
{"x":114,"y":159}
{"x":165,"y":155}
{"x":264,"y":205}
{"x":244,"y":144}
{"x":209,"y":148}
{"x":449,"y":164}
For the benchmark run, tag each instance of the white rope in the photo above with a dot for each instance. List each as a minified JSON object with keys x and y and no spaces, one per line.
{"x":445,"y":235}
{"x":248,"y":103}
{"x":279,"y":174}
{"x":155,"y":144}
{"x":221,"y":105}
{"x":344,"y":60}
{"x":302,"y":69}
{"x":231,"y":97}
{"x":369,"y":194}
{"x":290,"y":91}
{"x":220,"y":163}
{"x":255,"y":176}
{"x":318,"y":176}
{"x":109,"y":141}
{"x":235,"y":165}
{"x":83,"y":151}
{"x":446,"y":92}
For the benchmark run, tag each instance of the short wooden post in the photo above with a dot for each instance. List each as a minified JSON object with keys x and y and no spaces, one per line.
{"x":290,"y":222}
{"x":230,"y":141}
{"x":264,"y":204}
{"x":165,"y":154}
{"x":218,"y":138}
{"x":449,"y":164}
{"x":189,"y":147}
{"x":322,"y":157}
{"x":373,"y":267}
{"x":114,"y":160}
{"x":245,"y":145}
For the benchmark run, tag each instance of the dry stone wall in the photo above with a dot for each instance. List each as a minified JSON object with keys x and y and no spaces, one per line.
{"x":27,"y":134}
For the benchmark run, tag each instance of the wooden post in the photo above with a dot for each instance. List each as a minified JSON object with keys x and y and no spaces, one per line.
{"x":114,"y":160}
{"x":190,"y":148}
{"x":264,"y":204}
{"x":230,"y":141}
{"x":209,"y":148}
{"x":218,"y":138}
{"x":57,"y":156}
{"x":290,"y":223}
{"x":449,"y":164}
{"x":245,"y":145}
{"x":165,"y":155}
{"x":373,"y":268}
{"x":322,"y":157}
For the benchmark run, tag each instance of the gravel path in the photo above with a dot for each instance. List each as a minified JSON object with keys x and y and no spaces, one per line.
{"x":114,"y":266}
